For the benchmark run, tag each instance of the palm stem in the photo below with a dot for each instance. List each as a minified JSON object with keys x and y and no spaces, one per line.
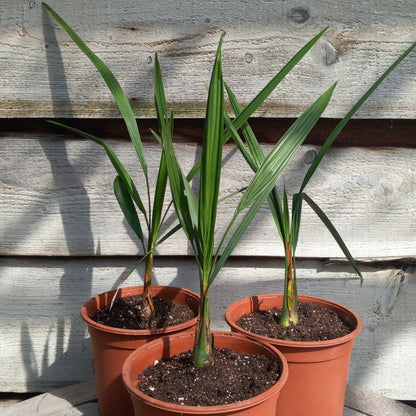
{"x":202,"y":354}
{"x":148,"y":307}
{"x":290,"y":301}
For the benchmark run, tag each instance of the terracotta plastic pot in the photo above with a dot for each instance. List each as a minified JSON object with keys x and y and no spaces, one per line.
{"x":111,"y":346}
{"x":262,"y":405}
{"x":318,"y":370}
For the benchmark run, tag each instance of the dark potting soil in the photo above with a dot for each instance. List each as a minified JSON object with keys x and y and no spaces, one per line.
{"x":315,"y":324}
{"x":126,"y":313}
{"x":232,"y":378}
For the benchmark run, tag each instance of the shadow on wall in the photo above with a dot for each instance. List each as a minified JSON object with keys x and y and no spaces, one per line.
{"x":66,"y":338}
{"x":67,"y":341}
{"x":61,"y":354}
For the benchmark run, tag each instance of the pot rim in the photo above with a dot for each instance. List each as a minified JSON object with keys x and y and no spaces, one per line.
{"x":299,"y":344}
{"x":206,"y":409}
{"x":133,"y":290}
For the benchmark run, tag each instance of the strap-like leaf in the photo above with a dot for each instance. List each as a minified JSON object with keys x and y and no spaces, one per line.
{"x":168,"y":234}
{"x":222,"y":256}
{"x":266,"y":176}
{"x":126,"y":204}
{"x":254,"y":156}
{"x":253,"y":106}
{"x":337,"y":130}
{"x":333,"y":231}
{"x":297,"y":201}
{"x":159,"y":197}
{"x":115,"y":161}
{"x":269,"y":88}
{"x":113,"y":85}
{"x":184,"y":200}
{"x":160,"y":190}
{"x":286,"y":218}
{"x":211,"y":161}
{"x":275,"y":205}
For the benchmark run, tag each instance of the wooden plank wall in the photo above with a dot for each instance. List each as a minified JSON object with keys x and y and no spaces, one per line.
{"x":63,"y":238}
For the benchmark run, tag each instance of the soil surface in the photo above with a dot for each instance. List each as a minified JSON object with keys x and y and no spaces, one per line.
{"x":233,"y":377}
{"x":315,"y":324}
{"x":126,"y":313}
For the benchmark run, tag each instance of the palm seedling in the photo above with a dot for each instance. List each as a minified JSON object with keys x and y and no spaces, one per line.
{"x":144,"y":215}
{"x":288,"y":221}
{"x":197,"y":214}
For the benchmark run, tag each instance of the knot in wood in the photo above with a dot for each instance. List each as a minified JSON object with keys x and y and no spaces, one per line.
{"x":299,"y":15}
{"x":249,"y":57}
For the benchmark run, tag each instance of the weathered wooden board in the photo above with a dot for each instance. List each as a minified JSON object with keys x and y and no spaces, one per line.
{"x":44,"y":74}
{"x":56,"y":198}
{"x":44,"y":341}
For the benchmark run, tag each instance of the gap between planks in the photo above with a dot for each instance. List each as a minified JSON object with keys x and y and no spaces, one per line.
{"x":80,"y":400}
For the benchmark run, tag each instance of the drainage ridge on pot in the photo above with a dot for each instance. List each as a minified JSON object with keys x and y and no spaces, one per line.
{"x":318,"y":370}
{"x":111,"y":346}
{"x":264,"y":404}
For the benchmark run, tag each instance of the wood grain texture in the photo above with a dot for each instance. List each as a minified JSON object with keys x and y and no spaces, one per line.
{"x":370,"y":403}
{"x":63,"y":237}
{"x":60,"y":402}
{"x":57,"y":199}
{"x":44,"y":74}
{"x":44,"y":341}
{"x":63,"y":401}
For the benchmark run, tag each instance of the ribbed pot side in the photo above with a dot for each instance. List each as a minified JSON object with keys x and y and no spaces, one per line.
{"x":318,"y":370}
{"x":111,"y":346}
{"x":263,"y":404}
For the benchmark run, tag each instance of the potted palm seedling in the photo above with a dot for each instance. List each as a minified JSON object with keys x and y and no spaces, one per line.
{"x":199,"y":355}
{"x":152,"y":310}
{"x":318,"y":366}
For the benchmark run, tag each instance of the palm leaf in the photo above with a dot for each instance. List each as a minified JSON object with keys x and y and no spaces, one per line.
{"x":222,"y":256}
{"x":332,"y":230}
{"x":337,"y":130}
{"x":269,"y":88}
{"x":211,"y":161}
{"x":266,"y":176}
{"x":297,"y":201}
{"x":160,"y":190}
{"x":126,"y":204}
{"x":254,"y":156}
{"x":159,"y":197}
{"x":184,"y":200}
{"x":115,"y":161}
{"x":286,"y":218}
{"x":113,"y":85}
{"x":262,"y":95}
